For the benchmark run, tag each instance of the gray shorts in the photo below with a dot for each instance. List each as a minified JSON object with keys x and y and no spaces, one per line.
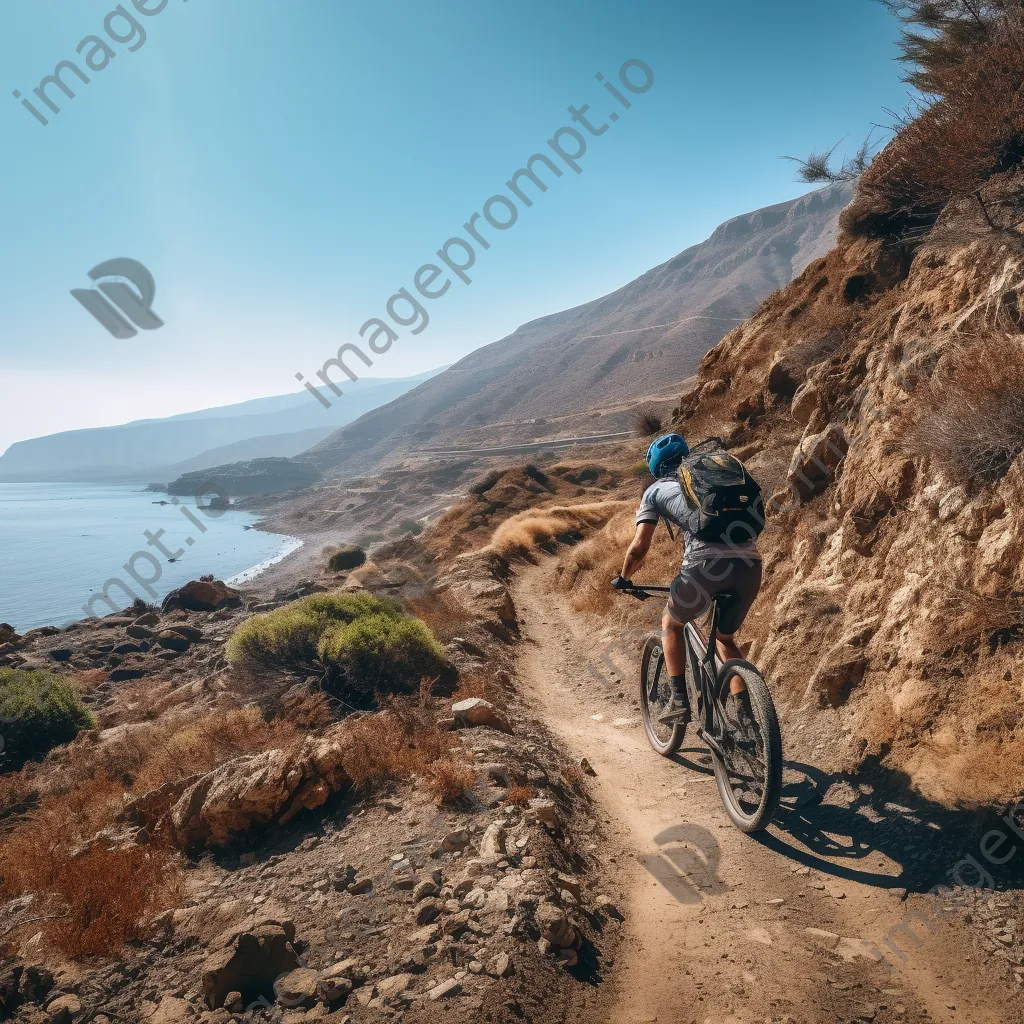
{"x":738,"y":579}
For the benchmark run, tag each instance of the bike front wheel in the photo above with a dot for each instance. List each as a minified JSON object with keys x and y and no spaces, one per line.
{"x":749,"y":776}
{"x":656,"y":699}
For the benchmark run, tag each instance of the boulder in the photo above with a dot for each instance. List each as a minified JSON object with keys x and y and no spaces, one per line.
{"x":202,"y":596}
{"x":544,"y":811}
{"x":477,"y":711}
{"x":140,"y":632}
{"x":172,"y":640}
{"x":64,"y":1009}
{"x":492,"y":843}
{"x":815,"y":461}
{"x":149,"y":619}
{"x":297,"y":988}
{"x":258,"y":789}
{"x":555,"y":926}
{"x":249,"y":962}
{"x":805,"y":402}
{"x":171,"y":1010}
{"x":8,"y":634}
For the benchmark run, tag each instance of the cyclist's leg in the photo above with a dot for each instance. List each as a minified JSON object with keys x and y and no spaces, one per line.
{"x":673,"y":645}
{"x":688,"y":599}
{"x":743,"y":582}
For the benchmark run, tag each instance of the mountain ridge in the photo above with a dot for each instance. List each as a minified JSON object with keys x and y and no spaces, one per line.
{"x":648,"y":334}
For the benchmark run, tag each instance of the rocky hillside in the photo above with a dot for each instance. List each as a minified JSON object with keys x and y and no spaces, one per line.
{"x":881,"y":398}
{"x":648,"y":335}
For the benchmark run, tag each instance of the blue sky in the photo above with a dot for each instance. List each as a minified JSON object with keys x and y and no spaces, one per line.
{"x":282,"y":167}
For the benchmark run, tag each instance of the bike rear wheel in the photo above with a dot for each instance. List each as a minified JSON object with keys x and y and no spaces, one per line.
{"x":750,"y":776}
{"x":656,"y":699}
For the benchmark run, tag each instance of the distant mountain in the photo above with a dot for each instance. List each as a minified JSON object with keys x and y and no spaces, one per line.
{"x":642,"y":339}
{"x":162,"y":449}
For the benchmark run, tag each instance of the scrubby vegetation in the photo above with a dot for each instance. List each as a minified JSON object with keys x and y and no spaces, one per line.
{"x":359,"y":642}
{"x":411,"y":526}
{"x":969,"y":417}
{"x":344,"y":558}
{"x":647,"y":422}
{"x":404,"y":741}
{"x":526,"y":533}
{"x":38,"y":711}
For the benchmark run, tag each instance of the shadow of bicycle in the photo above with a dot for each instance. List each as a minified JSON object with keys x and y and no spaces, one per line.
{"x":686,"y":865}
{"x":871,"y":827}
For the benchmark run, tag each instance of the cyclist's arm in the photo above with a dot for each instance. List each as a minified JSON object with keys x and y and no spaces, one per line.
{"x":638,"y":548}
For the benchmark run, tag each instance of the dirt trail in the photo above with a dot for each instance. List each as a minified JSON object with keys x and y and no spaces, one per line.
{"x":716,"y":922}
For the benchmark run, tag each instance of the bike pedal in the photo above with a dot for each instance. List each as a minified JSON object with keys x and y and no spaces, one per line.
{"x":675,"y":718}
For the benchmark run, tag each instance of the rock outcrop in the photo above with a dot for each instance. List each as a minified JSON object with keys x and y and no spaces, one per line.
{"x":257,"y":790}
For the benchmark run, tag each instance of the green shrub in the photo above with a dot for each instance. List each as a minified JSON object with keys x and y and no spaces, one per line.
{"x":38,"y":711}
{"x":288,"y":637}
{"x":382,"y":653}
{"x":411,"y":526}
{"x":360,"y":643}
{"x":348,"y":557}
{"x":640,"y":470}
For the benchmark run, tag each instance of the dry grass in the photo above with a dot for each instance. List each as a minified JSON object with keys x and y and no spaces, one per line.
{"x":201,"y":744}
{"x":520,"y":796}
{"x":542,"y":530}
{"x":585,"y":572}
{"x":102,"y":894}
{"x":404,"y":741}
{"x":445,"y":615}
{"x":969,"y":420}
{"x":448,"y":778}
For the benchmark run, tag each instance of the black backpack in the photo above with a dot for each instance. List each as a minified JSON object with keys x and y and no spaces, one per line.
{"x":726,"y":504}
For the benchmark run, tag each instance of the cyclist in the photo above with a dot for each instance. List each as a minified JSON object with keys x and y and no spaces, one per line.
{"x":733,"y":570}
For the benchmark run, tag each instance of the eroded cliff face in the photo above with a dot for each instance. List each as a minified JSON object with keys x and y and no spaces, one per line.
{"x":895,"y":584}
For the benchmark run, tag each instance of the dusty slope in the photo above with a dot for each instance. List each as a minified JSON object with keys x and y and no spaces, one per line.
{"x":611,"y":349}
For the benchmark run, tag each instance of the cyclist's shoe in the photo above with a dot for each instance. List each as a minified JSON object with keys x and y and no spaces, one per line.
{"x":678,"y":712}
{"x":741,"y":719}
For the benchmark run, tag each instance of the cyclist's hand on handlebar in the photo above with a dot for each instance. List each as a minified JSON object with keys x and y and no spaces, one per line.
{"x":621,"y":584}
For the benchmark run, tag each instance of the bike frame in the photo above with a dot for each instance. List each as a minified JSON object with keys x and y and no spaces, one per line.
{"x":703,"y":662}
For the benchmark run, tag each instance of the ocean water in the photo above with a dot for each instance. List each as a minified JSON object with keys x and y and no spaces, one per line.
{"x":61,"y":543}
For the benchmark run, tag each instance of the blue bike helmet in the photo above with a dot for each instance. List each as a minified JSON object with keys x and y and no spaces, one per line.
{"x":664,"y":456}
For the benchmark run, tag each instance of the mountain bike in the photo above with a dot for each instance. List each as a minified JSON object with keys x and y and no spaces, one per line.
{"x":747,"y":762}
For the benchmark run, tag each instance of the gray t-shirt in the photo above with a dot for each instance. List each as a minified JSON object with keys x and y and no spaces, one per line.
{"x":664,"y":499}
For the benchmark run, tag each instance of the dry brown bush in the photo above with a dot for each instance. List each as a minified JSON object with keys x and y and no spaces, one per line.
{"x":969,"y":419}
{"x":401,"y":742}
{"x":950,"y":148}
{"x":520,"y":796}
{"x":444,"y":613}
{"x":646,"y":421}
{"x":17,"y":790}
{"x":109,"y":895}
{"x":88,"y":679}
{"x":448,"y":778}
{"x":201,"y":744}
